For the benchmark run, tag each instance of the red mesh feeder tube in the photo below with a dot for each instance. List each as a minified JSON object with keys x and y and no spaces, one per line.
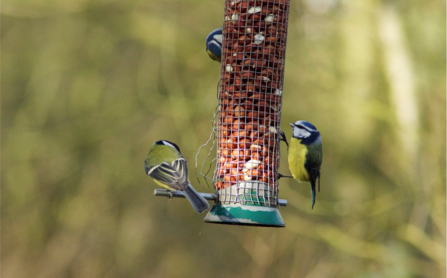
{"x":249,"y":116}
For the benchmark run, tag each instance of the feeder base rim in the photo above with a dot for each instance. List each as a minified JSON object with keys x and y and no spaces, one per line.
{"x":247,"y":215}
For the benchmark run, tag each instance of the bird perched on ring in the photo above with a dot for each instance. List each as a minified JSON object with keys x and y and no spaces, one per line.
{"x":214,"y":44}
{"x":306,"y":154}
{"x":166,"y":165}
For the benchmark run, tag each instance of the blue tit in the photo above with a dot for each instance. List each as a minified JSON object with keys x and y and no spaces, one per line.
{"x":166,"y":165}
{"x":214,"y":44}
{"x":306,"y":154}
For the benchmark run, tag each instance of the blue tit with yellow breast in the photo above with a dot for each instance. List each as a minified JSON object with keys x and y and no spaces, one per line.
{"x":214,"y":44}
{"x":165,"y":164}
{"x":306,"y":154}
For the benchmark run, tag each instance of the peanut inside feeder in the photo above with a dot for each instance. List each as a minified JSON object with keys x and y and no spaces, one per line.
{"x":250,"y":100}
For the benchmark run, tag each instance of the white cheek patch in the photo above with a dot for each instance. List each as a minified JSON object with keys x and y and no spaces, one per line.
{"x":300,"y":133}
{"x":218,"y":38}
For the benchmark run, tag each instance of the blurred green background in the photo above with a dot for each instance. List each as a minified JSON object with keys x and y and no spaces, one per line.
{"x":88,"y":86}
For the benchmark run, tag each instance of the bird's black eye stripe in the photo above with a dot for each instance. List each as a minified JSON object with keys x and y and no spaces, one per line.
{"x":300,"y":126}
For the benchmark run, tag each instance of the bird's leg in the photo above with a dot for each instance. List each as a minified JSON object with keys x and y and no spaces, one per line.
{"x":283,"y":138}
{"x":170,"y":195}
{"x":283,"y":176}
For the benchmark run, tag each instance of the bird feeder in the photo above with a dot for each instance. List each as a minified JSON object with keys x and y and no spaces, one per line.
{"x":249,"y":113}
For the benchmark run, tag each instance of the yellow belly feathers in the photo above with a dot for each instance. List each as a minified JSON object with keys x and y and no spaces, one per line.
{"x":297,"y":158}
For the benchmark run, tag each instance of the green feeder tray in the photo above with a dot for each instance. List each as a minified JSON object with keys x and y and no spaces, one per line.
{"x":252,"y":215}
{"x":247,"y":203}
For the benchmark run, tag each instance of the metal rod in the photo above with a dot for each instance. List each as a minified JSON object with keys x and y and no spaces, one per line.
{"x":207,"y":196}
{"x":179,"y":194}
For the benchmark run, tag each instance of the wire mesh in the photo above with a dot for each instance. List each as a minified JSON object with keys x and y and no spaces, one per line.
{"x":250,"y":101}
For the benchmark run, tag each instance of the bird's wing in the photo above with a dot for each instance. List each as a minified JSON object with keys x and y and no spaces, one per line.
{"x":314,"y":172}
{"x":180,"y":167}
{"x":313,"y":162}
{"x":171,"y":175}
{"x":313,"y":165}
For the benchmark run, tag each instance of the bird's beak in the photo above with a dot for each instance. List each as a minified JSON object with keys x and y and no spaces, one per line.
{"x":291,"y":125}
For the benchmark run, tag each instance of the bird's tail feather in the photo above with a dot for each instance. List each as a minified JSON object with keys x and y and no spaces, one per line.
{"x":318,"y":182}
{"x":313,"y":193}
{"x":197,"y":201}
